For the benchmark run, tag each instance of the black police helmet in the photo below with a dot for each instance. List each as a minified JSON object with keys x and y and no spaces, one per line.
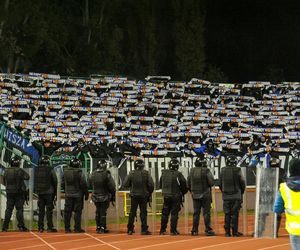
{"x":75,"y":163}
{"x":44,"y":161}
{"x":102,"y":164}
{"x":200,"y":162}
{"x":15,"y":162}
{"x":275,"y":162}
{"x":174,"y":164}
{"x":231,"y":161}
{"x":139,"y":164}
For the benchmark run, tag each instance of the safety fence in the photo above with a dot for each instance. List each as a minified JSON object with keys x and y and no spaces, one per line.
{"x":259,"y":199}
{"x":255,"y":215}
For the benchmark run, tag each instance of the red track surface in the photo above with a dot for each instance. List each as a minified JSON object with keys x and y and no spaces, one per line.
{"x":91,"y":240}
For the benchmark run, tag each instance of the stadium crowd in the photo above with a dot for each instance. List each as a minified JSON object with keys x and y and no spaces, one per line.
{"x":154,"y":116}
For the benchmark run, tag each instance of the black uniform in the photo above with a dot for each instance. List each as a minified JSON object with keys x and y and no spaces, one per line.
{"x":232,"y":185}
{"x":200,"y":181}
{"x":141,"y":187}
{"x":75,"y":186}
{"x":104,"y":191}
{"x":45,"y":186}
{"x":16,"y":192}
{"x":174,"y":187}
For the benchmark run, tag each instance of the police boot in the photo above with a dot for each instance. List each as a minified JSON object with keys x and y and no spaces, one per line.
{"x":79,"y":230}
{"x":236,"y":233}
{"x":194,"y":233}
{"x":227,"y":232}
{"x":52,"y":230}
{"x":210,"y":232}
{"x":145,"y":231}
{"x":23,"y":229}
{"x":130,"y":230}
{"x":102,"y":230}
{"x":174,"y":232}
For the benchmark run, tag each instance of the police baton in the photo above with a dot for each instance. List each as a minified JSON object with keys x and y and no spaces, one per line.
{"x":26,"y":196}
{"x":150,"y":200}
{"x":182,"y":201}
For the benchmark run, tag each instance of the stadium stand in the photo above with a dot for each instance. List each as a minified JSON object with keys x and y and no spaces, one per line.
{"x":156,"y":115}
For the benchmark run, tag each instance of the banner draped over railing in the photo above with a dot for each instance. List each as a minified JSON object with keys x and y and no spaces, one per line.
{"x":14,"y":143}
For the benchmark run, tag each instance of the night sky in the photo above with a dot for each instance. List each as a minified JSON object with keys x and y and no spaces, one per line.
{"x":254,"y":40}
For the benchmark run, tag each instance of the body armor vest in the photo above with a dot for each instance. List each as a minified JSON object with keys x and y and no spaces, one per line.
{"x":139,"y":183}
{"x":199,"y":183}
{"x":42,"y":179}
{"x":72,"y":180}
{"x":230,"y":180}
{"x":99,"y":182}
{"x":170,"y":183}
{"x":12,"y":180}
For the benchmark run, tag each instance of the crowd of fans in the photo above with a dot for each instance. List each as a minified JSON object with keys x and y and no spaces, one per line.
{"x":154,"y":116}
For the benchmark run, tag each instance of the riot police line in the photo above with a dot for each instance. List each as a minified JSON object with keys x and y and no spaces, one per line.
{"x":173,"y":181}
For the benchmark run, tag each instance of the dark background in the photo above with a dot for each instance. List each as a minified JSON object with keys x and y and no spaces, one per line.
{"x":217,"y":40}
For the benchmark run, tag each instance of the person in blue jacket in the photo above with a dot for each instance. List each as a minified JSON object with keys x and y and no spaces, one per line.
{"x":209,"y":149}
{"x":287,"y":201}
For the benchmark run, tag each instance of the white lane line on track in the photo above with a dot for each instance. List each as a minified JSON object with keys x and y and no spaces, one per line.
{"x":53,"y":237}
{"x":85,"y":247}
{"x":223,"y":244}
{"x":49,"y":245}
{"x":172,"y":242}
{"x":70,"y":241}
{"x":102,"y":241}
{"x":135,"y":239}
{"x":115,"y":242}
{"x":281,"y":245}
{"x":12,"y":236}
{"x":16,"y":241}
{"x":30,"y":247}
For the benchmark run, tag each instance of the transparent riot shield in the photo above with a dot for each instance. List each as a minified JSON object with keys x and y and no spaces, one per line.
{"x":86,"y":206}
{"x":266,"y":189}
{"x":214,"y":215}
{"x":152,"y":209}
{"x":2,"y":206}
{"x":243,"y":215}
{"x":184,"y":221}
{"x":28,"y":205}
{"x":57,"y":211}
{"x":114,"y":209}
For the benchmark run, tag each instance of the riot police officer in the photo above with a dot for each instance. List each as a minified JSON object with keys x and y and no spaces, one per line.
{"x":200,"y":181}
{"x":232,"y":185}
{"x":16,"y":192}
{"x":45,"y":186}
{"x":75,"y":186}
{"x":104,"y":191}
{"x":141,"y":187}
{"x":174,"y":187}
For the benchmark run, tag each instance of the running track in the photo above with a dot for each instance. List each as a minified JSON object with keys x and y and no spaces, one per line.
{"x":34,"y":240}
